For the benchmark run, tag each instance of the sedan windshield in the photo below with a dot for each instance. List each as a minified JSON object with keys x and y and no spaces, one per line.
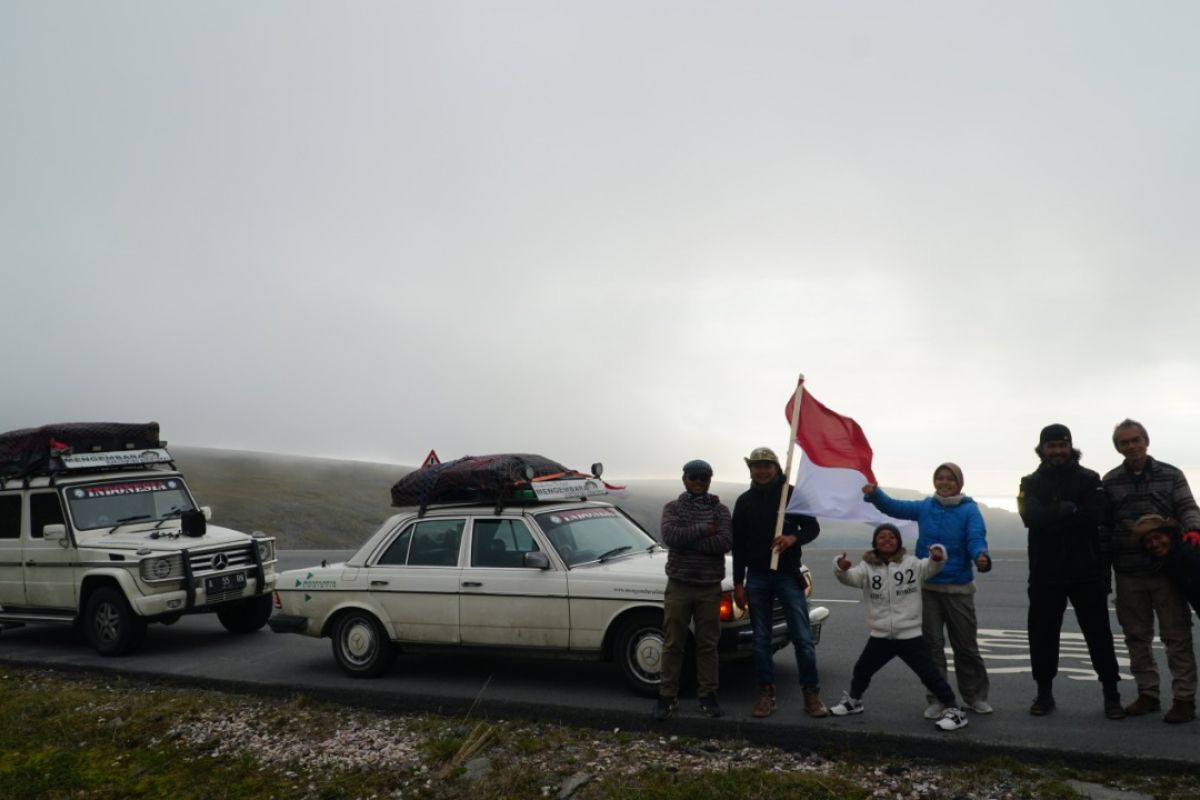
{"x":584,"y":535}
{"x":104,"y":505}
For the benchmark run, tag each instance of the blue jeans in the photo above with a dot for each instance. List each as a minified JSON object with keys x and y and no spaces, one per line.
{"x":761,"y":591}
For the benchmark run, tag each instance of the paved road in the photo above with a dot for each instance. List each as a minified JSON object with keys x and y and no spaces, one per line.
{"x":197,"y":650}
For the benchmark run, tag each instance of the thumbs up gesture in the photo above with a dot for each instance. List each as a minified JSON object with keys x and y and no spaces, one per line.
{"x":843,"y":563}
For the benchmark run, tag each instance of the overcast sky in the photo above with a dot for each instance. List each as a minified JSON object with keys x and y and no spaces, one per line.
{"x":606,"y":231}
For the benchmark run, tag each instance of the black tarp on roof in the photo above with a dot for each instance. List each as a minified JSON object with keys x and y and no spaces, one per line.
{"x":471,"y":479}
{"x":27,"y":451}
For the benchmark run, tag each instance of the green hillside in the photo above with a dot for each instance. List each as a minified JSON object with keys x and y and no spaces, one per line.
{"x":324,"y":503}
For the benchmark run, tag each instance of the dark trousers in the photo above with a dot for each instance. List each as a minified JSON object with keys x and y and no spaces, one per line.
{"x":913,"y":652}
{"x":1047,"y":603}
{"x":697,"y":605}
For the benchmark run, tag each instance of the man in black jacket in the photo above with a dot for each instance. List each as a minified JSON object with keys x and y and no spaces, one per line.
{"x":754,"y":583}
{"x":1062,"y":505}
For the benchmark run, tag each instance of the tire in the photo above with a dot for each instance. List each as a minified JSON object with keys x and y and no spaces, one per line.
{"x":246,"y":616}
{"x":361,"y":646}
{"x":111,"y":627}
{"x":638,"y":650}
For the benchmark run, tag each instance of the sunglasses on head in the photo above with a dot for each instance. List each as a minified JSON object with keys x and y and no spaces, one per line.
{"x":698,"y":476}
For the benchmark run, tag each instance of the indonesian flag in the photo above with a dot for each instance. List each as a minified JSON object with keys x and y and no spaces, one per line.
{"x":836,"y":464}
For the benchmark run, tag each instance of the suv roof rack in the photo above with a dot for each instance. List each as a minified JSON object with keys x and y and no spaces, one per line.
{"x":53,"y":450}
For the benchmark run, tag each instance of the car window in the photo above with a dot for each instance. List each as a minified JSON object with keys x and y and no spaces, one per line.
{"x":10,"y":516}
{"x":44,"y":509}
{"x":435,"y":543}
{"x":500,"y":543}
{"x":397,"y":552}
{"x":586,"y":534}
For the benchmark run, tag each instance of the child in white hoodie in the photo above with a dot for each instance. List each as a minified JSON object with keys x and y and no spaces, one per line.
{"x":891,"y":580}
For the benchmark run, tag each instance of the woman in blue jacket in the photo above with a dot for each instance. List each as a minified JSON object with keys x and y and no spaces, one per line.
{"x":952,"y":519}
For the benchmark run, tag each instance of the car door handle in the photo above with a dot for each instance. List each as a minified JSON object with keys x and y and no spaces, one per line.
{"x":473,"y":584}
{"x":379,"y":583}
{"x":31,"y":563}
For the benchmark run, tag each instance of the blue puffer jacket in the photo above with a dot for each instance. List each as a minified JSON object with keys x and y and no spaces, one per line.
{"x":959,"y":528}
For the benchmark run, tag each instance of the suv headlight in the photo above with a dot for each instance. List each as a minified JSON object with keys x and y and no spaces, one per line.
{"x":162,"y":568}
{"x":266,"y":549}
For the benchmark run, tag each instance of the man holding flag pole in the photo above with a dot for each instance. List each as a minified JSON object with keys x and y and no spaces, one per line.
{"x":766,"y":567}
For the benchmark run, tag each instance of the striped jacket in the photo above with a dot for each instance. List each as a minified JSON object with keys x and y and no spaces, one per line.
{"x":1159,"y":489}
{"x":696,"y":553}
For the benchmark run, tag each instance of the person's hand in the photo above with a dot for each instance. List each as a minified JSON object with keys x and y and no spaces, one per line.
{"x":937,"y":553}
{"x":983,"y":563}
{"x":870,"y":488}
{"x":740,"y":597}
{"x":782,"y":542}
{"x":843,"y":563}
{"x":1192,"y":538}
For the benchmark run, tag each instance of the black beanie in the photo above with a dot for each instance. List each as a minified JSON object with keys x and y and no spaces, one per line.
{"x":1055,"y":433}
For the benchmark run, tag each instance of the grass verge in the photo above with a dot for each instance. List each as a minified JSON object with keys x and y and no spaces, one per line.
{"x":99,"y":737}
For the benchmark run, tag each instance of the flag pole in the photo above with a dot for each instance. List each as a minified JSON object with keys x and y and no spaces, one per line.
{"x":787,"y":470}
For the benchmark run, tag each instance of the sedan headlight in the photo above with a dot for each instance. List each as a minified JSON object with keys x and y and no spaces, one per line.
{"x":162,"y":568}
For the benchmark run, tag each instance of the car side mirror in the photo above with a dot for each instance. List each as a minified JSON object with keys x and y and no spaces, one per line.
{"x":55,"y":533}
{"x":537,"y":560}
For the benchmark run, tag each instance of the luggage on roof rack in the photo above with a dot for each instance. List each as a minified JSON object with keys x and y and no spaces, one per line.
{"x":480,"y":479}
{"x":34,"y":451}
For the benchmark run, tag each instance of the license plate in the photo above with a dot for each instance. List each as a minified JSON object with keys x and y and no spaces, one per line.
{"x":225,"y":583}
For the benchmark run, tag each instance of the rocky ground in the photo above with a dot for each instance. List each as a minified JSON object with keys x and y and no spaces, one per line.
{"x":574,"y":762}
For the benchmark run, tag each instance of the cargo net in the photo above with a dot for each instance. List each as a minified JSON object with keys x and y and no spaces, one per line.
{"x":32,"y":451}
{"x":475,"y":479}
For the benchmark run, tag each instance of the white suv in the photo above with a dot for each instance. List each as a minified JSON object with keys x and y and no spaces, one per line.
{"x":112,"y":539}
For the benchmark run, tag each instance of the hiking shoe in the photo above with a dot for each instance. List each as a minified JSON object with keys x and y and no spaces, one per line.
{"x":848,"y":706}
{"x":664,"y":708}
{"x":1181,"y":711}
{"x":979,"y":707}
{"x":1113,"y":708}
{"x":1144,"y":704}
{"x":934,"y":711}
{"x":765,"y":705}
{"x":709,"y":706}
{"x":952,"y":719}
{"x":812,"y":702}
{"x":1043,"y":704}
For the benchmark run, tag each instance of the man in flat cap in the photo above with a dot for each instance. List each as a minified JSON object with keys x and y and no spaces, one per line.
{"x":696,"y":529}
{"x":754,"y":582}
{"x":1062,"y":503}
{"x":1143,"y":485}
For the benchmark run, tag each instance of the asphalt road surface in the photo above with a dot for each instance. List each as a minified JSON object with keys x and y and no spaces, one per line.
{"x":198,"y":651}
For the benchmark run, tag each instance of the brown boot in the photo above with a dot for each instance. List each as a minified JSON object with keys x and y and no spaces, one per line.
{"x":1144,"y":704}
{"x":765,"y":706}
{"x":1181,"y":711}
{"x":812,"y":702}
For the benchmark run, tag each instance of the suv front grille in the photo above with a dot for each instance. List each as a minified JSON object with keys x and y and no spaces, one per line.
{"x":210,"y":562}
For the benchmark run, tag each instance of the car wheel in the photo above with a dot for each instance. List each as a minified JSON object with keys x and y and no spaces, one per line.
{"x":638,"y":646}
{"x":110,"y":625}
{"x":361,"y":645}
{"x":246,"y":616}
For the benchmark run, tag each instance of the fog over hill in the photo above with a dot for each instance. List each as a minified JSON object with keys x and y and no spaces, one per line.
{"x":326,"y":503}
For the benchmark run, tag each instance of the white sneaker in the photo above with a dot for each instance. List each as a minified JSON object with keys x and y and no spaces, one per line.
{"x":934,"y":711}
{"x":848,"y":706}
{"x":952,"y":719}
{"x":979,"y":707}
